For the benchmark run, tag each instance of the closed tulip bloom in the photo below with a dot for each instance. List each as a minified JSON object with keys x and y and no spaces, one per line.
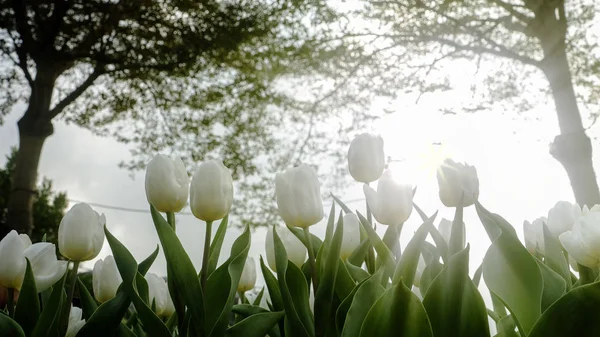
{"x":46,"y":268}
{"x":295,"y":249}
{"x":392,"y":203}
{"x":577,"y":245}
{"x":167,"y":183}
{"x":12,"y":261}
{"x":211,"y":193}
{"x":81,"y":233}
{"x":299,"y":196}
{"x":562,"y":216}
{"x":366,"y":160}
{"x":106,"y":279}
{"x":75,"y":322}
{"x":248,"y":278}
{"x":158,"y":292}
{"x":351,"y":235}
{"x":533,"y":233}
{"x":456,"y":179}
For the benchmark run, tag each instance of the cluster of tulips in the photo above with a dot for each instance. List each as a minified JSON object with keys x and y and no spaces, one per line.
{"x":351,"y":282}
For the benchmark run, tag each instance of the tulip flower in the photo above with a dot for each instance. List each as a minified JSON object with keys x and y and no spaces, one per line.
{"x":81,"y":233}
{"x":351,"y":235}
{"x":106,"y":279}
{"x":534,"y":235}
{"x":12,"y":261}
{"x":296,"y":251}
{"x":167,"y":183}
{"x":158,"y":294}
{"x":445,"y":229}
{"x":582,"y":242}
{"x":562,"y":216}
{"x":456,"y":180}
{"x":46,"y":268}
{"x":299,"y":196}
{"x":211,"y":192}
{"x":75,"y":322}
{"x":392,"y":203}
{"x":366,"y":160}
{"x":248,"y":278}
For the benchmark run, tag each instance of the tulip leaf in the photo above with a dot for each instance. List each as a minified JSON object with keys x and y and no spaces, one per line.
{"x":407,"y":264}
{"x":365,"y":297}
{"x":272,"y":286}
{"x":180,"y":270}
{"x":477,"y":275}
{"x":27,"y":310}
{"x":257,"y":325}
{"x":554,"y":285}
{"x":221,"y":286}
{"x":386,"y":257}
{"x":128,"y":269}
{"x":457,"y":231}
{"x":10,"y":328}
{"x":358,"y":274}
{"x":323,"y":250}
{"x":398,"y":312}
{"x":574,"y":314}
{"x":259,"y":297}
{"x":147,"y":263}
{"x":431,"y":271}
{"x":324,"y":312}
{"x":215,"y":246}
{"x":316,"y":242}
{"x":344,"y":283}
{"x":51,"y":310}
{"x":506,"y":327}
{"x":342,"y":310}
{"x":510,"y":272}
{"x":360,"y":253}
{"x":88,"y":303}
{"x":453,"y":303}
{"x":554,"y":257}
{"x":294,"y":292}
{"x":391,"y":239}
{"x":437,"y":237}
{"x":345,"y":208}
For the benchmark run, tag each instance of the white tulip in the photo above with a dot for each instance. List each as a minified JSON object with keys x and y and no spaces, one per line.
{"x":81,"y":233}
{"x":351,"y":235}
{"x":26,"y":240}
{"x":295,"y":249}
{"x":534,"y":235}
{"x":46,"y":268}
{"x":445,"y":229}
{"x":106,"y":279}
{"x":75,"y":322}
{"x":248,"y":278}
{"x":456,"y":179}
{"x":211,"y":193}
{"x":366,"y":160}
{"x":562,"y":216}
{"x":299,"y":196}
{"x":158,"y":293}
{"x":575,"y":244}
{"x":12,"y":261}
{"x":392,"y":203}
{"x":167,"y":183}
{"x":589,"y":226}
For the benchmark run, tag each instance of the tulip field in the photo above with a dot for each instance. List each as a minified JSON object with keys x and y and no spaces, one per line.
{"x":351,"y":282}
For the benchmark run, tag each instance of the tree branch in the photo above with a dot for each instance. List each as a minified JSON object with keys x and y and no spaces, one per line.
{"x":511,"y":9}
{"x":71,"y":97}
{"x":22,"y":26}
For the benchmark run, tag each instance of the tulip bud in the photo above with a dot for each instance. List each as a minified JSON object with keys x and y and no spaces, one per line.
{"x":351,"y":235}
{"x":456,"y":180}
{"x":46,"y":268}
{"x":299,"y":196}
{"x":248,"y":278}
{"x":167,"y":183}
{"x":158,"y":293}
{"x":366,"y":160}
{"x":12,"y":261}
{"x":534,"y":235}
{"x":81,"y":233}
{"x":211,"y":194}
{"x":577,"y":245}
{"x":295,"y":249}
{"x":445,"y":229}
{"x":106,"y":279}
{"x":392,"y":203}
{"x":75,"y":322}
{"x":562,"y":216}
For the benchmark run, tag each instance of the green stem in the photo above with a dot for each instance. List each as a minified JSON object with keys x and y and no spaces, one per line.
{"x":11,"y":302}
{"x":370,"y":261}
{"x":311,"y":259}
{"x":70,"y":288}
{"x":171,"y":219}
{"x":205,"y":255}
{"x":457,"y":232}
{"x":242,"y":297}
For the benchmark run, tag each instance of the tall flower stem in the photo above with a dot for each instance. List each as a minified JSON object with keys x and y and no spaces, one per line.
{"x":70,"y":288}
{"x":171,"y":219}
{"x":11,"y":302}
{"x":311,"y":259}
{"x":205,"y":256}
{"x":371,"y":252}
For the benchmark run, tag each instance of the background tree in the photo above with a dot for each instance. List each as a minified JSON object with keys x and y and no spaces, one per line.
{"x":195,"y":78}
{"x":511,"y":48}
{"x":48,"y":206}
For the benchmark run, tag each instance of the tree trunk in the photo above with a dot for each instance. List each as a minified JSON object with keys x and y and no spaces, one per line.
{"x":572,"y":148}
{"x":34,"y":127}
